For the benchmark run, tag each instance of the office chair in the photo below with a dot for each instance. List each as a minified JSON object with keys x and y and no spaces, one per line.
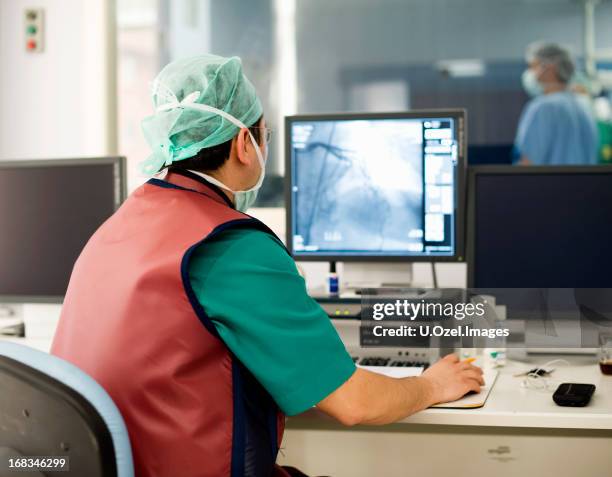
{"x":49,"y":407}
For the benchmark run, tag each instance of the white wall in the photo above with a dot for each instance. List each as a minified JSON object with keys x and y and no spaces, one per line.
{"x":59,"y":103}
{"x":139,"y":58}
{"x":188,"y":24}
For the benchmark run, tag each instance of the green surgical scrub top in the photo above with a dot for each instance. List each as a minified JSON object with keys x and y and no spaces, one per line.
{"x":250,"y":288}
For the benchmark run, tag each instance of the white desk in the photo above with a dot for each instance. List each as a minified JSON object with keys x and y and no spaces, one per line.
{"x":518,"y":431}
{"x":510,"y":405}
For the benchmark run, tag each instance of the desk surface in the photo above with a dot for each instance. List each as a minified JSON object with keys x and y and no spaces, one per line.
{"x":510,"y":405}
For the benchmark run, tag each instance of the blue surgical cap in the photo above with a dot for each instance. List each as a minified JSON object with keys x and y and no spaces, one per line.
{"x":554,"y":54}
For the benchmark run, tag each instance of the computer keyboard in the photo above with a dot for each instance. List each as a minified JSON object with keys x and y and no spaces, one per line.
{"x":385,"y":361}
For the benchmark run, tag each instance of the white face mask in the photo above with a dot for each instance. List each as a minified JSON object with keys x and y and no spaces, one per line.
{"x":531,"y":83}
{"x":243,"y":199}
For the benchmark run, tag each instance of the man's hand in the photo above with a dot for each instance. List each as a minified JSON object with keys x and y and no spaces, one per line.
{"x":371,"y":398}
{"x":451,"y":379}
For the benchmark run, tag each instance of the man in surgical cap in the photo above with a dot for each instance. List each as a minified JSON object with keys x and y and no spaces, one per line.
{"x":555,"y":128}
{"x":192,"y":314}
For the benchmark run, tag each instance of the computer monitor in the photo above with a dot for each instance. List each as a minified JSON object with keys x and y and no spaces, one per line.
{"x":48,"y":211}
{"x":539,"y":227}
{"x":375,"y":187}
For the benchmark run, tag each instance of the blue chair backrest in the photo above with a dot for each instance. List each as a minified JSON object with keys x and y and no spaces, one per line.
{"x":50,"y":407}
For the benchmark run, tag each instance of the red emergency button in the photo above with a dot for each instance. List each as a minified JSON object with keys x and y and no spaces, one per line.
{"x":31,"y":45}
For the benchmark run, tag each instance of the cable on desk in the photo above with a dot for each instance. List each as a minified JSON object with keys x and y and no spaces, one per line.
{"x":538,"y":378}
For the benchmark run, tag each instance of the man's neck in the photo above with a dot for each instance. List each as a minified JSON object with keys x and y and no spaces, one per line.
{"x":220,"y":190}
{"x":222,"y":179}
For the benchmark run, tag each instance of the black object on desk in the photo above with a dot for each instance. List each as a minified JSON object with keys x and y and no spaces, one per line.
{"x":574,"y":395}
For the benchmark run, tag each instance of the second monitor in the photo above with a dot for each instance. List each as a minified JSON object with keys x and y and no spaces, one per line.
{"x":380,"y":187}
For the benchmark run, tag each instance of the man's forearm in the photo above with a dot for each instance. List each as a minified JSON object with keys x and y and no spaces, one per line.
{"x":394,"y":399}
{"x":370,"y":398}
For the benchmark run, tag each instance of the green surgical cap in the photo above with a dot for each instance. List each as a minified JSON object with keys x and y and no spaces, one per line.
{"x":176,"y":133}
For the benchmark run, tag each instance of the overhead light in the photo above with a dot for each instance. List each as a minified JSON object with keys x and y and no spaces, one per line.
{"x":462,"y":68}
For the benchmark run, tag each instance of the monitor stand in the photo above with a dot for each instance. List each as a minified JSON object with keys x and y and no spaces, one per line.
{"x":11,"y":320}
{"x":358,"y":275}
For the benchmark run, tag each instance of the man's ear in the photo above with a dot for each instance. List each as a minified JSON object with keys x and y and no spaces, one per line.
{"x":242,"y":141}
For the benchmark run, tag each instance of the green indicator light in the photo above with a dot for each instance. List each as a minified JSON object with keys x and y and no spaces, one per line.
{"x":31,"y":30}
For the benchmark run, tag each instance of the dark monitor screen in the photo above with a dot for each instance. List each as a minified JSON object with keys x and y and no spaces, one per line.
{"x":48,"y":211}
{"x":375,"y":186}
{"x":540,"y":227}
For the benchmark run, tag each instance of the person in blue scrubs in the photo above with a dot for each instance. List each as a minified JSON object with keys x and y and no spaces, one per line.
{"x":555,"y":127}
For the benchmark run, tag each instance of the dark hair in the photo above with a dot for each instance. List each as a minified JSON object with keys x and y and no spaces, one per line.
{"x":212,"y":158}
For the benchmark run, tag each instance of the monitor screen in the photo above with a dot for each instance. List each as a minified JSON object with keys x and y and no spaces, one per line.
{"x":540,"y":227}
{"x":48,"y":211}
{"x":378,"y":186}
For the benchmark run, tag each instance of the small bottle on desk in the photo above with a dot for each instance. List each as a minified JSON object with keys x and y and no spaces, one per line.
{"x":333,"y":286}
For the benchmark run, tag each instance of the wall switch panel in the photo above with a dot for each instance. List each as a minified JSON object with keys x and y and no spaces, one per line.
{"x":34,"y":30}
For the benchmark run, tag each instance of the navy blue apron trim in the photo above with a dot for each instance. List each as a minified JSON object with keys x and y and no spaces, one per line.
{"x":239,"y":414}
{"x":195,"y":304}
{"x":164,"y":184}
{"x":273,"y":429}
{"x":239,"y":422}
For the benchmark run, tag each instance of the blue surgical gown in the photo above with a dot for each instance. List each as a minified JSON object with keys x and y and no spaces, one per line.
{"x":555,"y":129}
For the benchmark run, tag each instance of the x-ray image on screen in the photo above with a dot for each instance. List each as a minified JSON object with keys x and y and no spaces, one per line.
{"x":358,"y":186}
{"x":368,"y":186}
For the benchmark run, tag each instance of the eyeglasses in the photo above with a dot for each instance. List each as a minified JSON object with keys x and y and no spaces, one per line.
{"x":267,"y":133}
